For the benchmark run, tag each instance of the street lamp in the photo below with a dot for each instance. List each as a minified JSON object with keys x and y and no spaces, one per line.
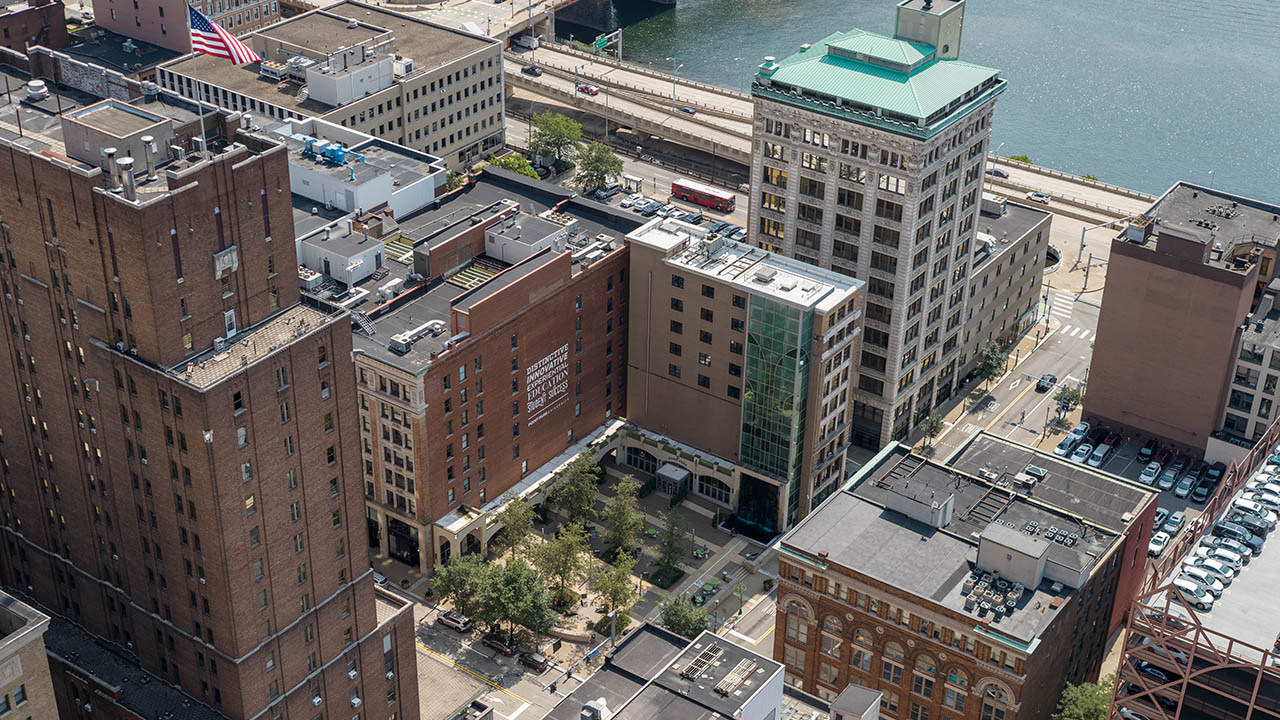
{"x":673,"y":85}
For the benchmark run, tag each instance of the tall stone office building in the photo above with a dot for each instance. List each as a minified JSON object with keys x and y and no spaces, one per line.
{"x":868,"y":159}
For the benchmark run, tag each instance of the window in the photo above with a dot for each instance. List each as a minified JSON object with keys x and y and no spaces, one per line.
{"x":704,"y":359}
{"x":793,"y":658}
{"x":862,"y":642}
{"x":954,"y":691}
{"x":922,"y":683}
{"x":773,"y":176}
{"x":919,"y":712}
{"x":677,"y":281}
{"x":994,"y":703}
{"x":797,"y":623}
{"x":708,"y":291}
{"x":674,"y":349}
{"x":704,"y":381}
{"x":677,"y":304}
{"x":677,"y":327}
{"x":673,"y":370}
{"x":707,"y":315}
{"x":832,"y":635}
{"x":20,"y":695}
{"x":891,"y":666}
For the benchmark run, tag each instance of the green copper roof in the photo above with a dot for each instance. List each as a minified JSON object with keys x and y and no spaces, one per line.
{"x":902,"y":52}
{"x":905,"y":89}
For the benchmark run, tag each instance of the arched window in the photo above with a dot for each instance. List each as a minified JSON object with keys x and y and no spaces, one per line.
{"x":922,"y":679}
{"x":862,"y":643}
{"x":954,"y":691}
{"x":832,"y":635}
{"x":995,"y":700}
{"x":891,"y":666}
{"x":797,"y":623}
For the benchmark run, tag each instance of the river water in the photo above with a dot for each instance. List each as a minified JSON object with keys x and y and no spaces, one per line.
{"x":1140,"y":93}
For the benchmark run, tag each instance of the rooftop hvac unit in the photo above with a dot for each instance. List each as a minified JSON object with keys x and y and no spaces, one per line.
{"x":316,"y":700}
{"x":765,"y":275}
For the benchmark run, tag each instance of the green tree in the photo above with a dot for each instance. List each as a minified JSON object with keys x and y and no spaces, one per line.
{"x":616,"y":587}
{"x":597,"y":165}
{"x":683,"y":618}
{"x":564,"y":558}
{"x":453,"y":180}
{"x":462,"y":581}
{"x":1087,"y":701}
{"x":932,"y":427}
{"x":992,"y":361}
{"x":1069,"y":395}
{"x":515,"y":162}
{"x":676,"y":542}
{"x":516,"y":520}
{"x":516,"y":595}
{"x":1087,"y":176}
{"x":575,"y":493}
{"x":554,"y":134}
{"x":622,"y":518}
{"x":1021,"y":158}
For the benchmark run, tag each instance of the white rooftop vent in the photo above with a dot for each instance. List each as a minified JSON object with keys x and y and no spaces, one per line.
{"x":37,"y":90}
{"x":766,"y":274}
{"x":352,"y":24}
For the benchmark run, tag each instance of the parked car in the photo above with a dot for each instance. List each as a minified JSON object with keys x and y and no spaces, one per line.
{"x":1185,"y":486}
{"x":1220,"y":569}
{"x":1201,"y":492}
{"x":1163,"y":456}
{"x":718,"y":226}
{"x":1162,"y":514}
{"x":531,"y":70}
{"x":499,"y":643}
{"x":379,"y":579}
{"x":1233,"y":531}
{"x":1082,"y":453}
{"x":1159,"y":542}
{"x":1192,"y":594}
{"x":631,"y":199}
{"x":1171,"y":653}
{"x":1167,"y":479}
{"x":1099,"y":455}
{"x":651,"y":209}
{"x":1080,"y":430}
{"x":1131,"y":689}
{"x":1271,"y":500}
{"x":1129,"y":714}
{"x":1174,"y":524}
{"x":688,"y":111}
{"x":1214,"y":472}
{"x":1180,"y":462}
{"x":1039,"y":197}
{"x":1066,"y":445}
{"x":534,"y":661}
{"x":666,"y":210}
{"x":588,"y":89}
{"x":1226,"y":543}
{"x":1266,"y":485}
{"x":1257,"y":509}
{"x":1252,"y":523}
{"x":1098,"y":435}
{"x":1226,"y":557}
{"x":738,"y":235}
{"x":998,"y":172}
{"x":1157,"y":617}
{"x":1150,"y":670}
{"x":1150,"y":473}
{"x":1204,"y":579}
{"x":1046,"y":383}
{"x":1148,"y":449}
{"x":454,"y":619}
{"x":694,"y":218}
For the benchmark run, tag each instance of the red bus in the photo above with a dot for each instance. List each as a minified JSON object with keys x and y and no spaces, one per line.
{"x":704,"y":195}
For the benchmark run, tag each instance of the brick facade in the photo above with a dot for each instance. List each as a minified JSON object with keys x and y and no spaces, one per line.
{"x":40,"y":23}
{"x":211,"y":525}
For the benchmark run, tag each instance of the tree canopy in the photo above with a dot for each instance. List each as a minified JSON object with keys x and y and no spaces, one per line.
{"x":992,"y":361}
{"x":563,"y":559}
{"x":622,"y":518}
{"x":682,"y":617}
{"x":575,"y":493}
{"x":597,"y":165}
{"x":516,"y":520}
{"x":1087,"y":701}
{"x":515,"y":162}
{"x":554,"y":134}
{"x":676,"y":542}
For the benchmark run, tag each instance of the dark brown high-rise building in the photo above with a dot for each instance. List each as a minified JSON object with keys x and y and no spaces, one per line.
{"x":180,"y":436}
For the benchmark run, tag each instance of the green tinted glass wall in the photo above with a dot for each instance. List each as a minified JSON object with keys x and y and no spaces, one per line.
{"x":775,"y":392}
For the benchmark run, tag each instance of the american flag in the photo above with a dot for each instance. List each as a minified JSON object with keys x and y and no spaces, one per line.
{"x":208,"y":37}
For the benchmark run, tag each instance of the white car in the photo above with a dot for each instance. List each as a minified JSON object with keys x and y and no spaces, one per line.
{"x":1167,"y":479}
{"x":1227,"y":543}
{"x":1082,"y":453}
{"x":1206,"y":579}
{"x":1271,"y":500}
{"x":1173,"y":525}
{"x":379,"y":579}
{"x":1174,"y":654}
{"x":1039,"y":197}
{"x":1263,"y":485}
{"x":1159,"y":542}
{"x":1080,"y":430}
{"x":1066,"y":445}
{"x":1150,"y":473}
{"x":632,"y":199}
{"x":1192,"y":594}
{"x":1222,"y":555}
{"x":1224,"y":572}
{"x":1256,"y":509}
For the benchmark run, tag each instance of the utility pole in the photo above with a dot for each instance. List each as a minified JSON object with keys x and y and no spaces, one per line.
{"x":1086,"y":272}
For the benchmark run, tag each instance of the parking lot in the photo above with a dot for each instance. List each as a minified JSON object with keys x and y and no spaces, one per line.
{"x":710,"y":216}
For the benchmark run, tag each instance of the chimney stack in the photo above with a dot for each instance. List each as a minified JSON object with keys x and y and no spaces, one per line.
{"x":126,"y":176}
{"x":112,"y":182}
{"x":149,"y":152}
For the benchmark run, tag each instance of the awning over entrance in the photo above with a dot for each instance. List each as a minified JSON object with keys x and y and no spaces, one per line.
{"x":672,"y":477}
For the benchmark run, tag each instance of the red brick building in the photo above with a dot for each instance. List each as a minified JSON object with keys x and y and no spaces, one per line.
{"x":506,"y":352}
{"x":959,"y":591}
{"x":41,"y":22}
{"x":180,"y":453}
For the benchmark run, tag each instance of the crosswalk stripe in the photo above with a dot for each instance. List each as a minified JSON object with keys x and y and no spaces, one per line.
{"x":1064,"y":329}
{"x":1076,"y":332}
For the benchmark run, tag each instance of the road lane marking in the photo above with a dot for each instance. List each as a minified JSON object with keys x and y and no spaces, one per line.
{"x":471,"y":672}
{"x":766,"y":634}
{"x":996,"y":419}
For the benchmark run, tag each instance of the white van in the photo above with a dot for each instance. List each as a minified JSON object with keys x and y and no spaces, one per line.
{"x":1099,"y":455}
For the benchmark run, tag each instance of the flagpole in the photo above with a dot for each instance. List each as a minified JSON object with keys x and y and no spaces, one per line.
{"x":195,"y":69}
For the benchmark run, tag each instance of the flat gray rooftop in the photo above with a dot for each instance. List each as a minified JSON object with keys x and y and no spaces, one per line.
{"x":932,"y":563}
{"x":751,"y":669}
{"x":429,"y":45}
{"x":106,"y":48}
{"x":320,"y":32}
{"x":1007,"y":229}
{"x":305,"y":221}
{"x":245,"y":80}
{"x":1217,"y":216}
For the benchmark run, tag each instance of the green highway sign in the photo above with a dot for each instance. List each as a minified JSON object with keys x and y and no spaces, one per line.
{"x":601,"y":41}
